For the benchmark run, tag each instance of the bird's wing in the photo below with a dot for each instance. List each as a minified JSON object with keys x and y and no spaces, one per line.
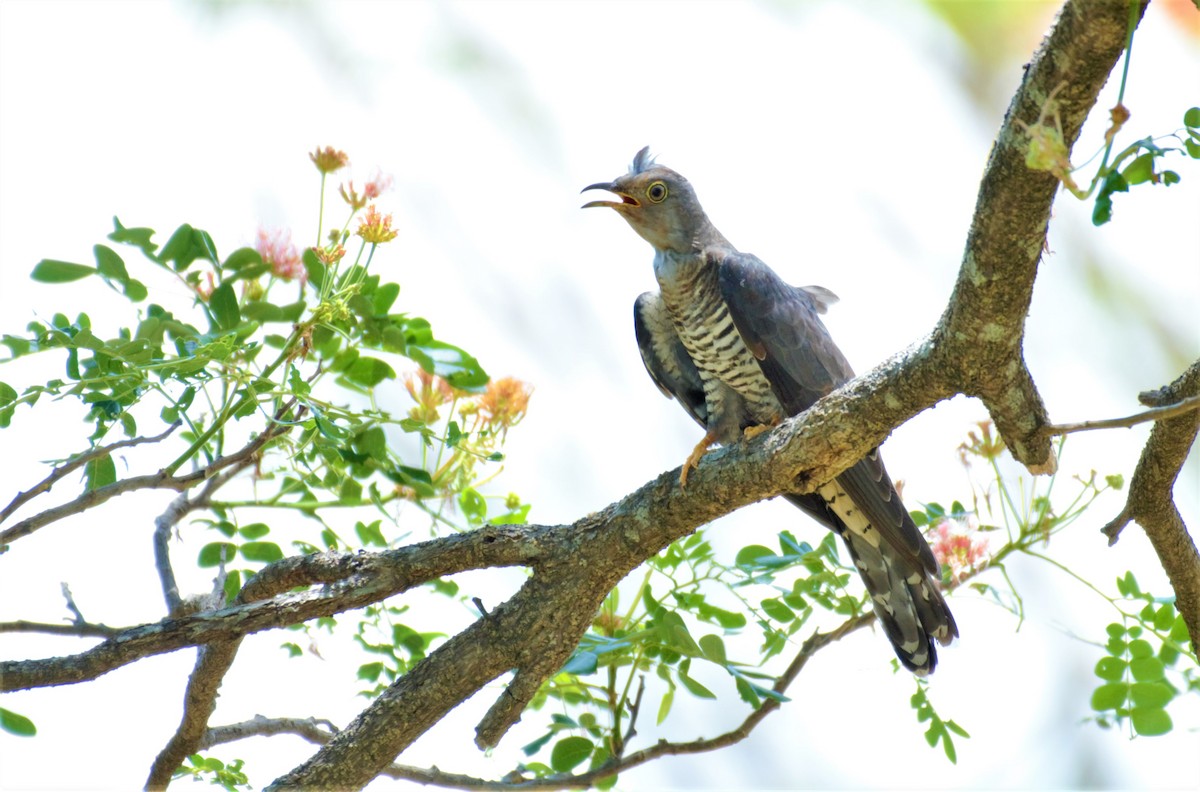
{"x":781,"y":326}
{"x":666,"y":359}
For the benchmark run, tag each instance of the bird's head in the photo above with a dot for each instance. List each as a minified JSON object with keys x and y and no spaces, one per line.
{"x":657,"y":202}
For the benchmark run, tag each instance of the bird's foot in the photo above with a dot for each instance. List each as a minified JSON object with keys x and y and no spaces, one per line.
{"x":754,"y":431}
{"x":692,"y":461}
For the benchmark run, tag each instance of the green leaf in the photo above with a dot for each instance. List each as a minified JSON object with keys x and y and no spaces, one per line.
{"x":242,"y":257}
{"x":266,"y":552}
{"x":1140,"y":170}
{"x":1151,"y":694}
{"x":254,"y":530}
{"x":1140,"y":648}
{"x":224,"y":305}
{"x":383,"y":298}
{"x":693,"y":687}
{"x":1150,"y":721}
{"x":212,"y":554}
{"x":570,"y":752}
{"x":1164,"y":619}
{"x":748,"y":556}
{"x":1146,"y":669}
{"x":1110,"y":696}
{"x":581,"y":663}
{"x":1191,"y":118}
{"x":185,"y":246}
{"x":51,"y":271}
{"x":370,"y":534}
{"x":777,"y":610}
{"x":713,"y":648}
{"x":100,"y":472}
{"x":138,"y":237}
{"x":14,"y":723}
{"x":369,"y":372}
{"x":1111,"y":669}
{"x":109,"y":264}
{"x":664,"y":707}
{"x":370,"y":671}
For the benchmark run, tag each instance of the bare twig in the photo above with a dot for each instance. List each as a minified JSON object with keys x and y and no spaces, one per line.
{"x":77,"y":629}
{"x":1156,"y":414}
{"x":315,"y":730}
{"x":159,"y":480}
{"x":74,"y":464}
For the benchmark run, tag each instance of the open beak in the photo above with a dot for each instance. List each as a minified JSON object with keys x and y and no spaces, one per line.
{"x":612,"y":188}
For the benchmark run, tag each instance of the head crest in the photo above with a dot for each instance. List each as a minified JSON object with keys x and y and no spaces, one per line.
{"x":642,"y":161}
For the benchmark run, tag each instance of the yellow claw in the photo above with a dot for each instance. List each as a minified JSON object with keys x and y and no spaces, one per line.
{"x":694,"y":459}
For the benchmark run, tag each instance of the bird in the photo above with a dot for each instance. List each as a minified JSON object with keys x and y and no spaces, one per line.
{"x":741,"y":350}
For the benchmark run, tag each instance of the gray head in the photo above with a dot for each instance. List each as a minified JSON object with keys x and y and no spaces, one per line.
{"x":657,"y":203}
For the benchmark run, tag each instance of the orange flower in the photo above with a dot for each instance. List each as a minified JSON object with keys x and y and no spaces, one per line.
{"x":505,"y":402}
{"x":351,"y":196}
{"x":376,"y":228}
{"x":376,"y":186}
{"x":329,"y":255}
{"x":429,"y":392}
{"x":329,"y":159}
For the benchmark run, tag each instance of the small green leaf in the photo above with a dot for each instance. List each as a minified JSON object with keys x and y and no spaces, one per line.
{"x":51,"y":271}
{"x":713,"y":648}
{"x":224,"y":305}
{"x":748,"y":556}
{"x":100,"y":472}
{"x":254,"y":530}
{"x":1140,"y":648}
{"x":370,"y":671}
{"x":1111,"y":669}
{"x":370,"y":534}
{"x":1150,"y":721}
{"x":664,"y":707}
{"x":1110,"y":696}
{"x":266,"y":552}
{"x":213,"y":553}
{"x":570,"y":752}
{"x":777,"y":610}
{"x":693,"y":687}
{"x":1146,"y":669}
{"x":1191,"y":118}
{"x":369,"y":372}
{"x":1140,"y":170}
{"x":1151,"y":694}
{"x":581,"y":663}
{"x":14,"y":723}
{"x":138,"y":237}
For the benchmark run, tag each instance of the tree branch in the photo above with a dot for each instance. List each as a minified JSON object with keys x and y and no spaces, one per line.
{"x":1155,"y":414}
{"x":981,"y":334}
{"x":74,"y":464}
{"x":1151,"y":500}
{"x":160,"y":480}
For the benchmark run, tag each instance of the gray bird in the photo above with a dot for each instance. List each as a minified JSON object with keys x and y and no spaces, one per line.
{"x":741,"y":350}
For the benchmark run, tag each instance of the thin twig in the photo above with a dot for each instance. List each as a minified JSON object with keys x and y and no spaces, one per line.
{"x":74,"y":464}
{"x":77,"y":629}
{"x":160,"y":480}
{"x":1155,"y":414}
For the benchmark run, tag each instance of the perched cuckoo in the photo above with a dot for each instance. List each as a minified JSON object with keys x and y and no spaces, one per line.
{"x":741,"y":350}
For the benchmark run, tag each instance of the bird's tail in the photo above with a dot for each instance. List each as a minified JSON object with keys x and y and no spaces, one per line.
{"x":907,"y":601}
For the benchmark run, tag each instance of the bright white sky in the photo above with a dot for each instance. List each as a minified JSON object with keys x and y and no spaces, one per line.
{"x":835,"y":140}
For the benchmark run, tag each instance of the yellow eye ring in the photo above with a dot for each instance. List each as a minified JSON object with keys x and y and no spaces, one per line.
{"x":657,"y":192}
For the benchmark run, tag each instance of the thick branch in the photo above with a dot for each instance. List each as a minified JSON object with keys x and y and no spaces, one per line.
{"x":1151,"y":501}
{"x":349,"y":581}
{"x":981,"y":335}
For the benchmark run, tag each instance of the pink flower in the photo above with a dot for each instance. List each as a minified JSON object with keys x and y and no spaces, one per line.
{"x":959,"y":546}
{"x":377,"y":186}
{"x":281,"y":255}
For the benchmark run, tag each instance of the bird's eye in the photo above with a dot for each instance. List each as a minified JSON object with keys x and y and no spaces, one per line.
{"x":656,"y":192}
